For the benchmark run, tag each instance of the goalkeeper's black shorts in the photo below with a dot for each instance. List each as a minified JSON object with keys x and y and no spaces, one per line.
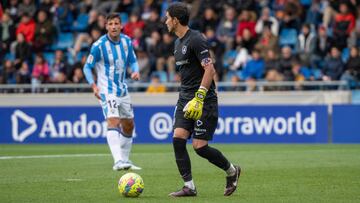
{"x":203,"y":128}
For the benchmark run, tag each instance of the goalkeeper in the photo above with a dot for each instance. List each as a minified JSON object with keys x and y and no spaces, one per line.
{"x":196,"y":113}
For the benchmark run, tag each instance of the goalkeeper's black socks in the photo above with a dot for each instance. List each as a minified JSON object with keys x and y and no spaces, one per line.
{"x":214,"y":156}
{"x":182,"y":158}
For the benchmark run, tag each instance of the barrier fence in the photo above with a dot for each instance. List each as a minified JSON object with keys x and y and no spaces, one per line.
{"x":171,"y":87}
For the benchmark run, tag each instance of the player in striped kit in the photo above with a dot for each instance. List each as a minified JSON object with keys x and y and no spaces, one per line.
{"x":110,"y":55}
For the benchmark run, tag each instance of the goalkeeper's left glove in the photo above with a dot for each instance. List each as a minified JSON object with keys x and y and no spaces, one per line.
{"x":193,"y":109}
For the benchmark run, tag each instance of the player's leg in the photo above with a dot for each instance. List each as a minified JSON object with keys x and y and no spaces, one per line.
{"x":126,"y":138}
{"x":204,"y":130}
{"x":111,"y":113}
{"x":127,"y":125}
{"x":182,"y":130}
{"x":183,"y":163}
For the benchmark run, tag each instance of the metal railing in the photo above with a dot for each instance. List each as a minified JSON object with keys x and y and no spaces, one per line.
{"x":172,"y":87}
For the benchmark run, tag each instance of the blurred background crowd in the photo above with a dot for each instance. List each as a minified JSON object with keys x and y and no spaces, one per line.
{"x":47,"y":41}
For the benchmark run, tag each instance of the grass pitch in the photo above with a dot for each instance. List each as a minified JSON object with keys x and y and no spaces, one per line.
{"x":271,"y":173}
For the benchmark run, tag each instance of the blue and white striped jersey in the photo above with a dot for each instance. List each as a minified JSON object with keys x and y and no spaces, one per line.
{"x":111,"y":60}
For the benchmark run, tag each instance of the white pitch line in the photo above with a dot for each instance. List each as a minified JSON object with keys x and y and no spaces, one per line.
{"x":51,"y":156}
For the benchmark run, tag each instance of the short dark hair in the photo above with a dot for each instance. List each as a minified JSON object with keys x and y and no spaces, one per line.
{"x":180,"y":11}
{"x":113,"y":16}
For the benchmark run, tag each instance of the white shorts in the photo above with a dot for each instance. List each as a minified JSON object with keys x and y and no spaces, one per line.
{"x":118,"y":107}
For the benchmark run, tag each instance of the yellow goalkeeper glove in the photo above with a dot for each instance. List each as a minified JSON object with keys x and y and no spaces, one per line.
{"x":193,"y":109}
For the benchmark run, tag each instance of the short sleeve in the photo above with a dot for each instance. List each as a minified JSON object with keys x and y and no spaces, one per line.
{"x":201,"y":49}
{"x":131,"y":55}
{"x":94,"y":56}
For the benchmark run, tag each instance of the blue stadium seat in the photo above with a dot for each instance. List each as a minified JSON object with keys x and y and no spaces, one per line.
{"x":345,"y":54}
{"x":9,"y":56}
{"x":305,"y":2}
{"x":124,"y":18}
{"x":288,"y":37}
{"x":49,"y":57}
{"x":65,"y":40}
{"x":81,"y":23}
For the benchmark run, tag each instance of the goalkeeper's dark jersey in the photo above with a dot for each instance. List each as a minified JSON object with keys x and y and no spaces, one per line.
{"x":191,"y":51}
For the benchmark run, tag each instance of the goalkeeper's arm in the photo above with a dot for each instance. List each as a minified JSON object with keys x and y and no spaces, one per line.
{"x":193,"y":109}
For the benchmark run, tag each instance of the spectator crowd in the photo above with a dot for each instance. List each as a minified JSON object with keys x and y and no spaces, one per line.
{"x":47,"y":41}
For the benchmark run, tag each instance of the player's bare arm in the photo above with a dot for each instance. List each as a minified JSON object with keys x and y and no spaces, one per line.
{"x":208,"y":75}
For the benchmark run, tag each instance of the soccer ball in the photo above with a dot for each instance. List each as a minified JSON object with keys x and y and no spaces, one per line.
{"x":131,"y":185}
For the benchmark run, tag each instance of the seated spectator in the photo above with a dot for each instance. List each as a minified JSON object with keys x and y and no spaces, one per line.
{"x":77,"y":76}
{"x":333,"y":66}
{"x":27,"y":6}
{"x":63,"y":15}
{"x":305,"y":46}
{"x":59,"y":67}
{"x":155,"y":85}
{"x":45,"y":32}
{"x":27,"y":28}
{"x":84,"y":38}
{"x":167,"y":58}
{"x":133,"y":24}
{"x":343,"y":26}
{"x":23,"y":52}
{"x":208,"y":20}
{"x":144,"y":64}
{"x":9,"y":72}
{"x":352,"y":68}
{"x":285,"y":63}
{"x":217,"y":48}
{"x":7,"y":32}
{"x":247,"y":40}
{"x":41,"y":72}
{"x":272,"y":62}
{"x":226,"y":29}
{"x":247,"y":21}
{"x":266,"y":20}
{"x":138,"y":40}
{"x":323,"y":44}
{"x":254,"y":68}
{"x":241,"y":58}
{"x":23,"y":75}
{"x":153,"y":24}
{"x":268,"y":41}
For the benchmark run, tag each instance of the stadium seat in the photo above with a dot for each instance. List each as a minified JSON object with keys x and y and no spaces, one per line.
{"x":124,"y":18}
{"x":288,"y":37}
{"x":49,"y":57}
{"x":305,"y":2}
{"x":81,"y":23}
{"x":9,"y":56}
{"x":65,"y":40}
{"x":345,"y":54}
